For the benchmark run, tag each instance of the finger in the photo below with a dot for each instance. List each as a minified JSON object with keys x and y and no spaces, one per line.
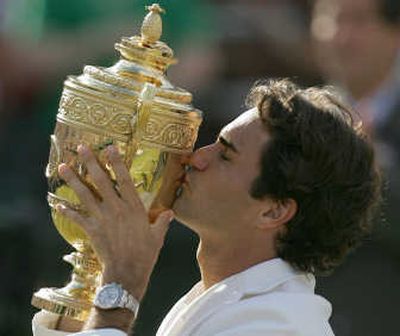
{"x":76,"y":217}
{"x":100,"y":178}
{"x":125,"y":184}
{"x":91,"y":227}
{"x":81,"y":190}
{"x":161,"y":225}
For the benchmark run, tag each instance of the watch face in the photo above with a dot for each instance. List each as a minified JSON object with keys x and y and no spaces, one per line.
{"x":108,"y":296}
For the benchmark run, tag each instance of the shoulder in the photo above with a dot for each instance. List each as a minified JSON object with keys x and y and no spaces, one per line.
{"x":282,"y":313}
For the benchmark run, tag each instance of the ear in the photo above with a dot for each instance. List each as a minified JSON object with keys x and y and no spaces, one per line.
{"x":277,"y":213}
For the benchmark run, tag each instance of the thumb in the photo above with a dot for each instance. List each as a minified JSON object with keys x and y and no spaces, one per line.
{"x":161,"y":225}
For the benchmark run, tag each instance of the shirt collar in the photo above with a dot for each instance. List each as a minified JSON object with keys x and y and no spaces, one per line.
{"x":256,"y":279}
{"x":266,"y":276}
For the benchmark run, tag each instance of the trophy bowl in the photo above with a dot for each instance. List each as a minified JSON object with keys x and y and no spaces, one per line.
{"x":134,"y":107}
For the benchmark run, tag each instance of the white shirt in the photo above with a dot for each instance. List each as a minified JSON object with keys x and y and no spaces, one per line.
{"x":270,"y":298}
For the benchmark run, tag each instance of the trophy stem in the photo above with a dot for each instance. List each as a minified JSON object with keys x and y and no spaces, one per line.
{"x":75,"y":299}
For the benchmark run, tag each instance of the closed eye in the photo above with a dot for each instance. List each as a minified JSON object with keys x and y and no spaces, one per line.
{"x":223,"y":155}
{"x":227,"y":144}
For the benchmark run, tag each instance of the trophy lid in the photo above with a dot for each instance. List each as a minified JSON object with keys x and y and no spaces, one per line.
{"x":105,"y":100}
{"x":144,"y":59}
{"x":147,"y":49}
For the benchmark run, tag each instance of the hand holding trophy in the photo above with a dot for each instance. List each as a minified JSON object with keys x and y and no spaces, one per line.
{"x":118,"y":225}
{"x":151,"y":123}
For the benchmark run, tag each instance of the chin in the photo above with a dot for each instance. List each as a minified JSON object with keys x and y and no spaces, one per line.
{"x":183,"y":212}
{"x":186,"y":209}
{"x":179,"y":207}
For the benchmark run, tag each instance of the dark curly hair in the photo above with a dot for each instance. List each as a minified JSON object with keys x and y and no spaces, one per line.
{"x":318,"y":156}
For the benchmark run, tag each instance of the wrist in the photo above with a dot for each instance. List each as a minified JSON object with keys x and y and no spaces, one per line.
{"x":113,"y":297}
{"x":134,"y":285}
{"x":120,"y":318}
{"x":68,"y":324}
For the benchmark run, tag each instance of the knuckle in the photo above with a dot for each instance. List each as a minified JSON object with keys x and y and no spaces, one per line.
{"x":73,"y":215}
{"x":81,"y":190}
{"x":91,"y":227}
{"x":73,"y":180}
{"x":97,"y":174}
{"x":120,"y":212}
{"x":114,"y":153}
{"x":68,"y":176}
{"x":116,"y":164}
{"x":124,"y":180}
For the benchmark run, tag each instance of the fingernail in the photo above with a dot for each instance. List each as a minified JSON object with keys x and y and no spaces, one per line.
{"x":63,"y":169}
{"x":111,"y":150}
{"x":171,"y":215}
{"x":82,"y":149}
{"x":60,"y":207}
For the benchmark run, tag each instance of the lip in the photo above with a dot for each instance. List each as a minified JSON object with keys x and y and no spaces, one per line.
{"x":183,"y":179}
{"x":186,"y":179}
{"x":185,"y":182}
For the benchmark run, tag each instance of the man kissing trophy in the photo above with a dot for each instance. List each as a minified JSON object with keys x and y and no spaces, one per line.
{"x":285,"y":192}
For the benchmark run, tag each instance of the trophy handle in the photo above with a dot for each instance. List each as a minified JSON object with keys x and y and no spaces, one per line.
{"x":143,"y":111}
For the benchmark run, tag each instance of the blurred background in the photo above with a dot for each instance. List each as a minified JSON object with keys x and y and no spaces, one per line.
{"x":224,"y":46}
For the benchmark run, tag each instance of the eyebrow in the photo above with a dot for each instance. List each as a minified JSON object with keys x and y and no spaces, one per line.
{"x":227,"y":143}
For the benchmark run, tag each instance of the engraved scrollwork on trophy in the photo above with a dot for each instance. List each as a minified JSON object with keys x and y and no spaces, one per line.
{"x":94,"y":113}
{"x":178,"y":135}
{"x":152,"y":128}
{"x":74,"y":108}
{"x":170,"y":133}
{"x":98,"y":114}
{"x":121,"y":123}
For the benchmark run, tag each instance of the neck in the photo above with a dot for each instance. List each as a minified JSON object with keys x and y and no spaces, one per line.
{"x":217,"y":261}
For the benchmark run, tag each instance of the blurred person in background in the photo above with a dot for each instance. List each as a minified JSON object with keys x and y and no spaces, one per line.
{"x":358,"y":48}
{"x":357,"y":45}
{"x":263,"y":38}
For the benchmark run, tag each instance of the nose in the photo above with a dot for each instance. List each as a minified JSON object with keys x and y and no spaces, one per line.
{"x":199,"y":159}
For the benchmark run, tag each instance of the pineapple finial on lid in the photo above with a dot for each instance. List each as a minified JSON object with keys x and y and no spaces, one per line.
{"x":152,"y":24}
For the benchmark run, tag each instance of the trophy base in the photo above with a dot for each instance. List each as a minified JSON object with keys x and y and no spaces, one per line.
{"x":54,"y":301}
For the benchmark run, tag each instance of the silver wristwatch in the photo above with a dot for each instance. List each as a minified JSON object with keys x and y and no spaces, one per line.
{"x":112,"y":295}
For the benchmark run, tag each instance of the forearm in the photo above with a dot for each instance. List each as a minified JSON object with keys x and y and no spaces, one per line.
{"x":68,"y":324}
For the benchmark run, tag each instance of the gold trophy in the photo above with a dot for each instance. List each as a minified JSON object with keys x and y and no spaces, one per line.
{"x":133,"y":106}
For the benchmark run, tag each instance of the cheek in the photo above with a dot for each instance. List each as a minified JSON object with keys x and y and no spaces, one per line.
{"x":236,"y":192}
{"x":227,"y":182}
{"x":234,"y":183}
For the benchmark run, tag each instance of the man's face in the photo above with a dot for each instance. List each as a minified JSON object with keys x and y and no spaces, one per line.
{"x":353,"y":40}
{"x":215,"y":198}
